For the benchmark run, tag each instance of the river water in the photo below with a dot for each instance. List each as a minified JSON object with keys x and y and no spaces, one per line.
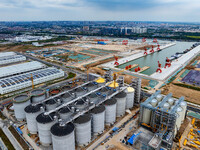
{"x":151,"y":60}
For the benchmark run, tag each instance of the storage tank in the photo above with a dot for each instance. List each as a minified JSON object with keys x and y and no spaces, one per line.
{"x":146,"y":118}
{"x":65,"y":87}
{"x":170,"y":101}
{"x":183,"y":104}
{"x":166,"y":106}
{"x":63,"y":136}
{"x":121,"y":103}
{"x":66,"y":97}
{"x":83,"y":130}
{"x":80,"y":104}
{"x":181,"y":113}
{"x":44,"y":123}
{"x":65,"y":113}
{"x":114,"y":84}
{"x":19,"y":103}
{"x":110,"y":111}
{"x":32,"y":112}
{"x":130,"y":97}
{"x":90,"y":86}
{"x":154,"y":102}
{"x":51,"y":104}
{"x":101,"y":81}
{"x":54,"y":91}
{"x":159,"y":97}
{"x":79,"y":92}
{"x":93,"y":98}
{"x":98,"y":119}
{"x":178,"y":121}
{"x":37,"y":95}
{"x":104,"y":91}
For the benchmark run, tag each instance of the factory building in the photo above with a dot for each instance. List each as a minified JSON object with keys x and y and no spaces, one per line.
{"x":163,"y":116}
{"x":20,"y":68}
{"x":11,"y":59}
{"x":17,"y":82}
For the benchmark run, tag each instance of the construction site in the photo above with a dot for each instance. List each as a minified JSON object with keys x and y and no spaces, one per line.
{"x":115,"y":104}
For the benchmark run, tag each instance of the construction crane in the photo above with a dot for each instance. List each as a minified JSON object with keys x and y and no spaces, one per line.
{"x":115,"y":76}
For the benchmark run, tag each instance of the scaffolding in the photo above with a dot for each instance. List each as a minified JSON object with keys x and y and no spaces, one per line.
{"x":136,"y":84}
{"x":163,"y":121}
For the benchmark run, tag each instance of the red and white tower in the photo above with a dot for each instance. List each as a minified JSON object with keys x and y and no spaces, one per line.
{"x":158,"y":47}
{"x":167,"y":63}
{"x":116,"y":60}
{"x":145,"y":53}
{"x":152,"y":50}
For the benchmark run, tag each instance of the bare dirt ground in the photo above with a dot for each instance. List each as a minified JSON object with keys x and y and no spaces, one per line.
{"x":189,"y":94}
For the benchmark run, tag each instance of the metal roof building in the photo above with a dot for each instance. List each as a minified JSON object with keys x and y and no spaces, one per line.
{"x":11,"y":59}
{"x":20,"y":68}
{"x":24,"y":80}
{"x":3,"y":54}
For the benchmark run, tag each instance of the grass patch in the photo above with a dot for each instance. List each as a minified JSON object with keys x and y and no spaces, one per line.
{"x":194,"y":37}
{"x":71,"y":75}
{"x":187,"y":86}
{"x":6,"y":140}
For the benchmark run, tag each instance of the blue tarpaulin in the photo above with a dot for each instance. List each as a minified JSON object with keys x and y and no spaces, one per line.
{"x":133,"y":138}
{"x":115,"y":129}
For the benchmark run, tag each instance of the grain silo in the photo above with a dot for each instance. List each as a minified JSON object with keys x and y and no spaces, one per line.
{"x":32,"y":111}
{"x":51,"y":104}
{"x":166,"y":106}
{"x":183,"y":105}
{"x":110,"y":111}
{"x":19,"y":103}
{"x":146,"y":118}
{"x":181,"y":113}
{"x":154,"y":102}
{"x":65,"y":112}
{"x":93,"y":98}
{"x":79,"y":92}
{"x":83,"y":130}
{"x":44,"y":123}
{"x":114,"y":85}
{"x":159,"y":97}
{"x":37,"y":95}
{"x":98,"y":119}
{"x":121,"y":103}
{"x":90,"y":86}
{"x":80,"y":104}
{"x":130,"y":97}
{"x":170,"y":101}
{"x":66,"y":97}
{"x":63,"y":136}
{"x":104,"y":91}
{"x":101,"y":81}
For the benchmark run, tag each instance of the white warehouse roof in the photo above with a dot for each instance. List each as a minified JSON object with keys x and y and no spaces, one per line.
{"x":17,"y":82}
{"x":11,"y":59}
{"x":20,"y":68}
{"x":3,"y":54}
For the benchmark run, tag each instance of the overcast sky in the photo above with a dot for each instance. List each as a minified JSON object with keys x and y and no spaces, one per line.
{"x":94,"y":10}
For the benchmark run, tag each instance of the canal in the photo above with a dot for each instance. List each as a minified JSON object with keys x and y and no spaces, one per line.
{"x":151,"y":60}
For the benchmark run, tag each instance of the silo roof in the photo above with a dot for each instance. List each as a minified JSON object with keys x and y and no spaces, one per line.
{"x":64,"y":110}
{"x":121,"y":95}
{"x":98,"y":109}
{"x":21,"y":98}
{"x":83,"y":119}
{"x":111,"y":101}
{"x":50,"y":102}
{"x":79,"y":90}
{"x":93,"y":95}
{"x":114,"y":84}
{"x":103,"y":90}
{"x":37,"y":92}
{"x":100,"y":80}
{"x":66,"y":95}
{"x":42,"y":118}
{"x":32,"y":109}
{"x":90,"y":85}
{"x":80,"y":102}
{"x":62,"y":130}
{"x":130,"y":89}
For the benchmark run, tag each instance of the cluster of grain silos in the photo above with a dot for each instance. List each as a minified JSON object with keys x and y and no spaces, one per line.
{"x":51,"y":127}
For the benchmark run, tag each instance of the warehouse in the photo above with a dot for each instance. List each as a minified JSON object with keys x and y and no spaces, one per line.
{"x":20,"y":68}
{"x":3,"y":54}
{"x":11,"y":59}
{"x":24,"y":80}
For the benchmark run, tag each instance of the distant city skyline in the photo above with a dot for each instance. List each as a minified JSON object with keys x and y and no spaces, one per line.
{"x":100,"y":10}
